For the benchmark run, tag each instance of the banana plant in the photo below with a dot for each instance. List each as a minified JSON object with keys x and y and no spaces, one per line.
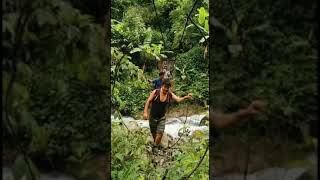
{"x":203,"y":20}
{"x":150,"y":50}
{"x":202,"y":24}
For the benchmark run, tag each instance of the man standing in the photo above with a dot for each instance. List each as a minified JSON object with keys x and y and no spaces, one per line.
{"x":157,"y":82}
{"x":160,"y":99}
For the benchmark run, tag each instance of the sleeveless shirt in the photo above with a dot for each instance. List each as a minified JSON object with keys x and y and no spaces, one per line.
{"x":158,"y":108}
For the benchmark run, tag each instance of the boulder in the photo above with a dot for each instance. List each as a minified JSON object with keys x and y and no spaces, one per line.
{"x":172,"y":120}
{"x":132,"y":125}
{"x":204,"y":121}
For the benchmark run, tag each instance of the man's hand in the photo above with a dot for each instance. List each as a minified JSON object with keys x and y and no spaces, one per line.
{"x":145,"y":116}
{"x":256,"y":107}
{"x":189,"y":96}
{"x":149,"y":81}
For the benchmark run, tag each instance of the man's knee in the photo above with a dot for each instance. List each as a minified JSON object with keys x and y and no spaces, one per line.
{"x":159,"y":135}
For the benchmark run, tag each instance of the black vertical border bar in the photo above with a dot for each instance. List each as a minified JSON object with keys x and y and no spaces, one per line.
{"x":107,"y":39}
{"x":210,"y":52}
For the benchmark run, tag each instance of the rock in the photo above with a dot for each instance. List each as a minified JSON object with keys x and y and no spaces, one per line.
{"x":132,"y":125}
{"x":196,"y":119}
{"x":172,"y":120}
{"x":173,"y":129}
{"x":149,"y":149}
{"x":143,"y":123}
{"x":204,"y":121}
{"x":127,"y":119}
{"x":182,"y":132}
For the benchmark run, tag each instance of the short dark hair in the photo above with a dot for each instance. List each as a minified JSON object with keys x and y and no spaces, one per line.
{"x":166,"y":83}
{"x":161,"y":73}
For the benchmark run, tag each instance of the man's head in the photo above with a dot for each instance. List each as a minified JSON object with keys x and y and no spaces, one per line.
{"x":161,"y":75}
{"x":166,"y":84}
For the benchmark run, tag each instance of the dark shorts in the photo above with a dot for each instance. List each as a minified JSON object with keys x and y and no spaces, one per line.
{"x":157,"y":125}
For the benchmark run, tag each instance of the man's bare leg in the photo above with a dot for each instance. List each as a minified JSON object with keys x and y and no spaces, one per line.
{"x":158,"y":138}
{"x":154,"y":137}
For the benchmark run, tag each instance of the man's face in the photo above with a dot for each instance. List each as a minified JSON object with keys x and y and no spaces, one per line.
{"x":165,"y":89}
{"x":162,"y":76}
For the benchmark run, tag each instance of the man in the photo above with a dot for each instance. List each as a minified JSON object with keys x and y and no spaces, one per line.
{"x":158,"y":82}
{"x":160,"y":99}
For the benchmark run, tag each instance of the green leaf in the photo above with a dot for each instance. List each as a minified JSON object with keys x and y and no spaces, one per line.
{"x":189,"y":26}
{"x":44,"y":16}
{"x":202,"y":15}
{"x":206,"y":26}
{"x":135,"y":50}
{"x":8,"y":23}
{"x":119,"y":156}
{"x":24,"y":71}
{"x":20,"y":93}
{"x":148,"y":37}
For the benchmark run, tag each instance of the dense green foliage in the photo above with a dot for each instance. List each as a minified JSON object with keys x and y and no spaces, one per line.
{"x":145,"y":38}
{"x":131,"y":159}
{"x":266,"y":50}
{"x":192,"y":74}
{"x":55,"y":58}
{"x":130,"y":89}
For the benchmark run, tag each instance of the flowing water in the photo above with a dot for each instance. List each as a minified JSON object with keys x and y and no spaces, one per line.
{"x":173,"y":125}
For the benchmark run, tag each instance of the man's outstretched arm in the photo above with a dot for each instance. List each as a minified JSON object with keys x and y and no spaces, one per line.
{"x":179,"y":99}
{"x":226,"y":120}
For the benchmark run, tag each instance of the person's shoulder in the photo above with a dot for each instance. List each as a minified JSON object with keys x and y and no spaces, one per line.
{"x":154,"y":91}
